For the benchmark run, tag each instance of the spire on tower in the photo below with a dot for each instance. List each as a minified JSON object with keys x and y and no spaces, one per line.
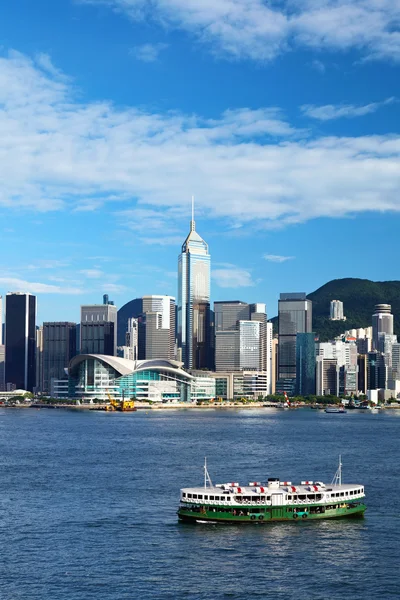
{"x":192,"y":222}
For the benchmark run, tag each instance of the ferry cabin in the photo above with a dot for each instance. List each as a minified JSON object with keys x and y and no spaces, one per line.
{"x":273,"y":501}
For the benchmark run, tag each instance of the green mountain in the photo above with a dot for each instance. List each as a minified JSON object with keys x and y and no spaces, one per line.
{"x":359,"y":297}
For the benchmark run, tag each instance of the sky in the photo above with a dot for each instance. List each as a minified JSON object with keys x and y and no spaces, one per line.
{"x":281,"y":117}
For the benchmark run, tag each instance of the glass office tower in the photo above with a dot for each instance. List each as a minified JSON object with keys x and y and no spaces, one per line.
{"x":305,"y":364}
{"x":295,"y":316}
{"x":59,"y":347}
{"x":21,"y":340}
{"x":194,"y":300}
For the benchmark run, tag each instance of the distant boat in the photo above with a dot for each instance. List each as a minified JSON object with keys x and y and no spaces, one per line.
{"x":335,"y":410}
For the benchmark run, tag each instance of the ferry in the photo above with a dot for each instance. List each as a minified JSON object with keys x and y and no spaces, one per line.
{"x":272,"y":501}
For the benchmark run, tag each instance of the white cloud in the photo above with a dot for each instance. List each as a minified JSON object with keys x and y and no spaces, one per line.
{"x":332,"y":111}
{"x":19,"y":285}
{"x":113,"y":288}
{"x":277,"y":258}
{"x":247,"y":167}
{"x":148,"y":53}
{"x":232,"y":277}
{"x":92,"y":273}
{"x":255,"y":29}
{"x":48,"y":264}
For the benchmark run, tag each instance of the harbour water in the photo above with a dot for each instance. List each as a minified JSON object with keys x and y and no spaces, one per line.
{"x":88,"y":505}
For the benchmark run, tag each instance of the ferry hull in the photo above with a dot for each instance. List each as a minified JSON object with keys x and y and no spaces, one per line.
{"x":270,"y":515}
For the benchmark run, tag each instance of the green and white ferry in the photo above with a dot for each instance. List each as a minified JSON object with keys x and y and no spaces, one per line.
{"x":272,"y":501}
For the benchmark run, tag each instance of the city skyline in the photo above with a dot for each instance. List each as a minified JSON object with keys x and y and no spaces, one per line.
{"x":286,"y":133}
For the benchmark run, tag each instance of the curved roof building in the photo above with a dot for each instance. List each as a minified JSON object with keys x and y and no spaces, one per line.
{"x":157,"y":380}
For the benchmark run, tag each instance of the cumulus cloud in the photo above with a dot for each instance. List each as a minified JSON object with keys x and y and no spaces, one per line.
{"x":255,"y":29}
{"x":249,"y":167}
{"x":148,"y":53}
{"x":232,"y":277}
{"x":31,"y":287}
{"x":332,"y":111}
{"x":277,"y":258}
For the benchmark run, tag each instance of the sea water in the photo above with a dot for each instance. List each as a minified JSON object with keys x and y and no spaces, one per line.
{"x":88,"y":505}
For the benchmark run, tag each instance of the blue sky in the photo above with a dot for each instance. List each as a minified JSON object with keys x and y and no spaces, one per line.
{"x":281,"y":117}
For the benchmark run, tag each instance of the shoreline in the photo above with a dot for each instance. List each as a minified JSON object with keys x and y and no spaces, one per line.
{"x":182,"y":406}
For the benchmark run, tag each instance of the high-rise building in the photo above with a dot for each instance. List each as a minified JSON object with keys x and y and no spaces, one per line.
{"x":20,"y":340}
{"x":1,"y":320}
{"x":98,"y":331}
{"x":39,"y":359}
{"x":59,"y":347}
{"x":295,"y":316}
{"x":159,"y":326}
{"x":305,"y":364}
{"x":377,"y":371}
{"x":327,"y":376}
{"x":193,"y":299}
{"x":131,"y":348}
{"x":2,"y":367}
{"x":241,"y":336}
{"x":345,"y":352}
{"x":362,"y":364}
{"x":131,"y":310}
{"x":336,"y":311}
{"x":270,"y":355}
{"x":243,"y":339}
{"x":382,"y":322}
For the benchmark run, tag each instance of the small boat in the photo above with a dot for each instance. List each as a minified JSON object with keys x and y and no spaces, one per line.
{"x":335,"y":410}
{"x":271,"y":501}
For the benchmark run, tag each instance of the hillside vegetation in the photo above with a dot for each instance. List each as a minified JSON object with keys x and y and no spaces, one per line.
{"x":359,"y":297}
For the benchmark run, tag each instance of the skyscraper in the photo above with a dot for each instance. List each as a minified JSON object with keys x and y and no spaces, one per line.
{"x":193,"y":299}
{"x":20,"y":340}
{"x":59,"y":347}
{"x":2,"y":367}
{"x":159,"y":326}
{"x":295,"y":316}
{"x":382,"y":322}
{"x":98,"y":329}
{"x":243,"y":339}
{"x":1,"y":320}
{"x":305,"y":364}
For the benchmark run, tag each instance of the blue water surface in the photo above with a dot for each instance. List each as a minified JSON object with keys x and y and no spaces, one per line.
{"x":88,"y":505}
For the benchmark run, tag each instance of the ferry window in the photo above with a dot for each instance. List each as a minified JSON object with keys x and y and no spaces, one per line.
{"x":205,"y":497}
{"x":211,"y":497}
{"x":268,"y":497}
{"x":351,"y":492}
{"x":310,"y":496}
{"x":342,"y":493}
{"x":228,"y":498}
{"x":301,"y":496}
{"x":200,"y":496}
{"x":189,"y":495}
{"x":254,"y":498}
{"x":289,"y":497}
{"x":183,"y":494}
{"x":194,"y":495}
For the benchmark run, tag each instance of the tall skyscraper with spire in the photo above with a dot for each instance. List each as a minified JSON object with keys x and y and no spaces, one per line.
{"x":193,"y":321}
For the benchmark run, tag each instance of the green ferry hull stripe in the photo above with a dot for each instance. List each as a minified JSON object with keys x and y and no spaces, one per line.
{"x":236,"y":514}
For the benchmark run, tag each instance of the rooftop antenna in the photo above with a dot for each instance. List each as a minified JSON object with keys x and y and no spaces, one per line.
{"x":207,"y":475}
{"x":192,"y":223}
{"x":337,"y":479}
